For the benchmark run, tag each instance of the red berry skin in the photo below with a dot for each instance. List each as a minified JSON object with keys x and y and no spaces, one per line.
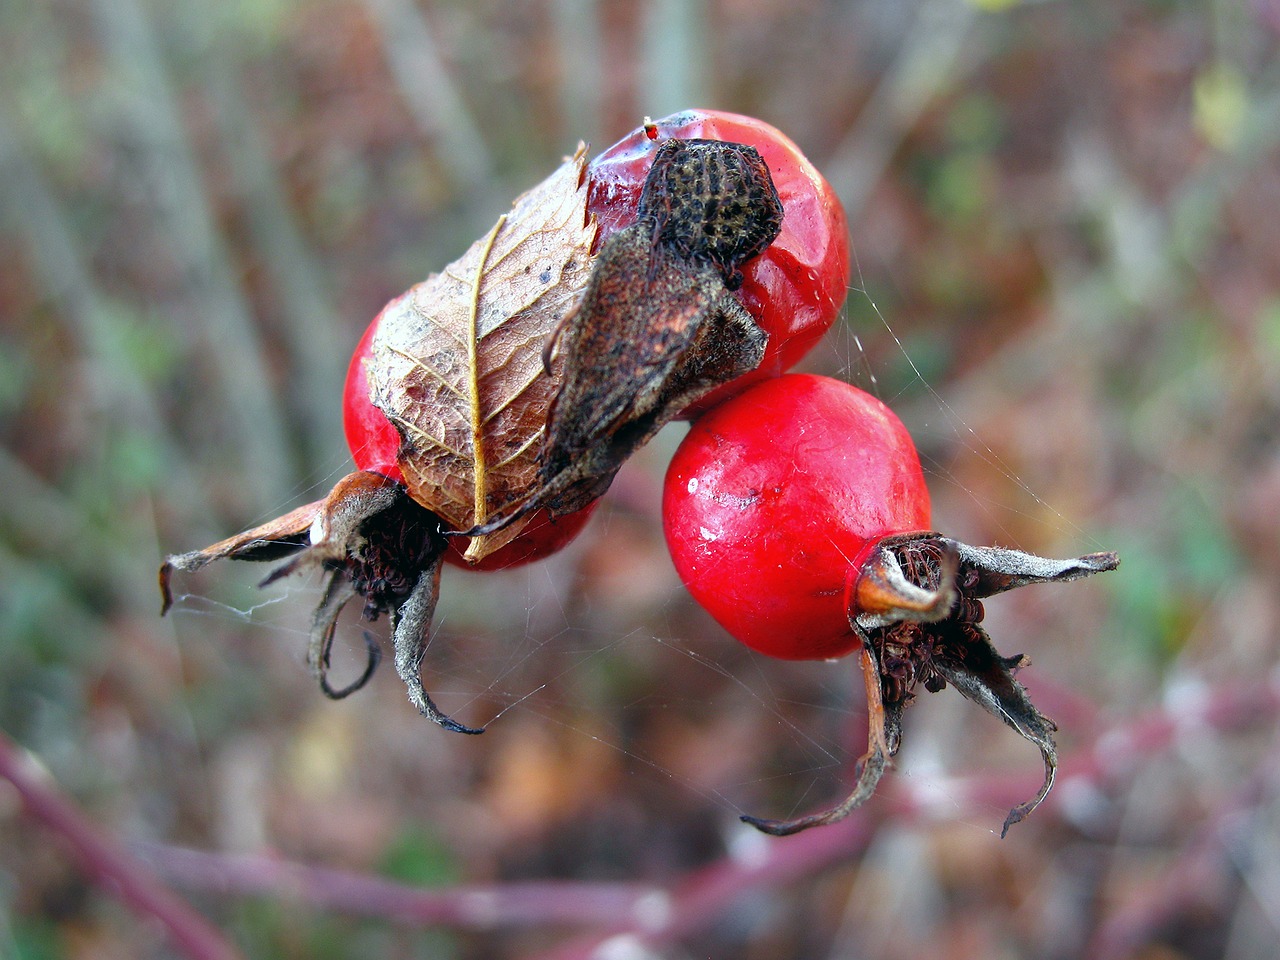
{"x":372,"y":439}
{"x":795,"y":289}
{"x":775,"y":499}
{"x":543,"y":536}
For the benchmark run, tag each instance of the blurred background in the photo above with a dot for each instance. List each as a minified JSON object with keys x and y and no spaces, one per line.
{"x":1066,"y":222}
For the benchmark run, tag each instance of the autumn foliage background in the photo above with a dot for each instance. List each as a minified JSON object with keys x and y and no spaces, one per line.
{"x":1067,"y":284}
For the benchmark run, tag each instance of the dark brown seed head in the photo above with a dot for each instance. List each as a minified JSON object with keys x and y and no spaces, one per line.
{"x":711,"y":201}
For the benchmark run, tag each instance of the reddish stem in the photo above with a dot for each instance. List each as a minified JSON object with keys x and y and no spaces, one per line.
{"x":466,"y":907}
{"x":642,"y":916}
{"x":108,"y":865}
{"x":700,"y":897}
{"x":703,"y":895}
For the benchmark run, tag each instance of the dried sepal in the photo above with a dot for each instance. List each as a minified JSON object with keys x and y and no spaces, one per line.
{"x":657,"y":328}
{"x":371,"y":540}
{"x":884,"y":594}
{"x":270,"y":541}
{"x":884,"y":736}
{"x":998,"y":569}
{"x":651,"y":337}
{"x":711,"y":201}
{"x":986,"y":678}
{"x":917,"y":607}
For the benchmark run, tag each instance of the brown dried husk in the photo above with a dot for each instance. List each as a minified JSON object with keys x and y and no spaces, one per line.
{"x":457,"y":362}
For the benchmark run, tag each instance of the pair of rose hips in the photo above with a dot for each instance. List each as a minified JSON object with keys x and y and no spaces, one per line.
{"x":795,"y":510}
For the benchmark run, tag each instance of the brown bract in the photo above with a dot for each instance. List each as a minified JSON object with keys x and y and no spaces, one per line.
{"x":372,"y":541}
{"x":654,"y":334}
{"x":657,"y":328}
{"x":917,"y":607}
{"x":456,"y":364}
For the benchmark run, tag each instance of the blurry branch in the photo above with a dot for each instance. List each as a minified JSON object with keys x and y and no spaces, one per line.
{"x":169,"y":170}
{"x":315,"y":334}
{"x":108,"y":865}
{"x":700,"y":898}
{"x":582,"y":77}
{"x":926,"y":66}
{"x":1199,"y":878}
{"x":640,"y":918}
{"x":675,"y":57}
{"x":430,"y":93}
{"x":464,"y":907}
{"x":29,"y":208}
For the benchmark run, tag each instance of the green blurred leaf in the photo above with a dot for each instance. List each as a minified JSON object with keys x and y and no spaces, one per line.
{"x":994,"y":6}
{"x":416,"y":856}
{"x":1220,"y":103}
{"x":35,"y":940}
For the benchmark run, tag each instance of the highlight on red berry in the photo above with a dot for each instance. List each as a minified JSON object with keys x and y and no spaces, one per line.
{"x":797,"y":515}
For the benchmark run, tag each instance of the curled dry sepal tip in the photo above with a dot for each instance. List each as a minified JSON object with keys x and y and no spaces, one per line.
{"x":374,"y":542}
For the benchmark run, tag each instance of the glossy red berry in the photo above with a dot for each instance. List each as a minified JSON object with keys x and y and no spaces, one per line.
{"x":797,"y":515}
{"x":773,"y":500}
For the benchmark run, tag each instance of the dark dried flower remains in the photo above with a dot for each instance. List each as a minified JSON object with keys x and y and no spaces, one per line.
{"x":456,"y":370}
{"x":928,"y":592}
{"x":657,"y":328}
{"x":712,"y":202}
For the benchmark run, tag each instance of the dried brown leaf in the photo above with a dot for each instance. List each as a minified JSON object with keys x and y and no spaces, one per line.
{"x":657,"y":328}
{"x":457,"y":366}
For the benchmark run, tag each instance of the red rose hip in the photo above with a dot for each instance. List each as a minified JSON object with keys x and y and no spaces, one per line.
{"x":450,"y":390}
{"x":743,"y":509}
{"x":797,"y":514}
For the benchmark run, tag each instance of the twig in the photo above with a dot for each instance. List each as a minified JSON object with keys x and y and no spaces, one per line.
{"x":108,"y":865}
{"x":702,"y":895}
{"x":429,"y":91}
{"x":699,"y":899}
{"x":638,"y":917}
{"x":464,"y":907}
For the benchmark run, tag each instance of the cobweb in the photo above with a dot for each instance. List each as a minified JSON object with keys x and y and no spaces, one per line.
{"x":590,"y":653}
